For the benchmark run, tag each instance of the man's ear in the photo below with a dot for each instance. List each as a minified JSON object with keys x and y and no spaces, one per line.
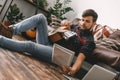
{"x":94,"y":23}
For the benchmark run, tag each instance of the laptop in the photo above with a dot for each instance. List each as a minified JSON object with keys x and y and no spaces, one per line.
{"x":62,"y":56}
{"x":99,"y":73}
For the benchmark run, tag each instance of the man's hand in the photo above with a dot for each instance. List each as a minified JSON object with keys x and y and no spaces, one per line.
{"x":68,"y":70}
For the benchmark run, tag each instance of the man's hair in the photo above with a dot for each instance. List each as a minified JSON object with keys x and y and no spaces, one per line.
{"x":90,"y":12}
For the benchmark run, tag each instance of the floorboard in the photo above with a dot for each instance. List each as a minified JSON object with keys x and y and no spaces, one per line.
{"x":17,"y":66}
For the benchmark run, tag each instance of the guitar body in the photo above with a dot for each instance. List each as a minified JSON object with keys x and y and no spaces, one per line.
{"x":54,"y":37}
{"x":30,"y":34}
{"x":57,"y":34}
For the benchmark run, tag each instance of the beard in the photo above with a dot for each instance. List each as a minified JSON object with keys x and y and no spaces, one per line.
{"x":85,"y":28}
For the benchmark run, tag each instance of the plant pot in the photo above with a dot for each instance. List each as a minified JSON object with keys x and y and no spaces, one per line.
{"x":6,"y":23}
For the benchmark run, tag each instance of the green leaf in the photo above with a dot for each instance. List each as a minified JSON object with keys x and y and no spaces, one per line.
{"x":59,"y":9}
{"x":14,"y":14}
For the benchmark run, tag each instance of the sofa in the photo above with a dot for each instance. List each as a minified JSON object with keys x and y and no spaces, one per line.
{"x":109,"y":55}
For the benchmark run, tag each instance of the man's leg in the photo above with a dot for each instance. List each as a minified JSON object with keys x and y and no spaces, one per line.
{"x":38,"y":50}
{"x":39,"y":21}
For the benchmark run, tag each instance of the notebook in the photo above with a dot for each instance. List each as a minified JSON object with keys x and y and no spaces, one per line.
{"x":99,"y":73}
{"x":62,"y":56}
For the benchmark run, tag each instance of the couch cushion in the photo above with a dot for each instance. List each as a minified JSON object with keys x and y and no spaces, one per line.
{"x":109,"y":43}
{"x":105,"y":55}
{"x":115,"y":35}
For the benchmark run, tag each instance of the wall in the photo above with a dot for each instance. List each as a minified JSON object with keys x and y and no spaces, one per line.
{"x":108,"y":10}
{"x":26,"y":8}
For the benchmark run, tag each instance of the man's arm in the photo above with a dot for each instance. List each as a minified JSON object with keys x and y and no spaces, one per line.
{"x":76,"y":66}
{"x":86,"y":50}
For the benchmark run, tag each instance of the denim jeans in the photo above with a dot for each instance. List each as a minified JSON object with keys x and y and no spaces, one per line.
{"x":41,"y":48}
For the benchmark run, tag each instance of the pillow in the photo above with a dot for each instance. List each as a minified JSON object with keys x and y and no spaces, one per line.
{"x":115,"y":35}
{"x":101,"y":32}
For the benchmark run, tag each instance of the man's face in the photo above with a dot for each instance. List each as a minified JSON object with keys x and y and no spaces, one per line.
{"x":87,"y":22}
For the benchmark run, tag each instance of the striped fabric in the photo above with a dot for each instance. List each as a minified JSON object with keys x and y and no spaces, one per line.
{"x":101,"y":37}
{"x":101,"y":32}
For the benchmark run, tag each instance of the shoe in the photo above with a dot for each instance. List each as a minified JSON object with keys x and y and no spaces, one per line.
{"x":5,"y":31}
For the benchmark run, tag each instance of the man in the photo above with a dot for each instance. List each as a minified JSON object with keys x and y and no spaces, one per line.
{"x":83,"y":44}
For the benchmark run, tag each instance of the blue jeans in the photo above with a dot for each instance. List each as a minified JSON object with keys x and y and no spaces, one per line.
{"x":41,"y":48}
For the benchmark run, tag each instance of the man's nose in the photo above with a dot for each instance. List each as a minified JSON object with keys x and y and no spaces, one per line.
{"x":83,"y":22}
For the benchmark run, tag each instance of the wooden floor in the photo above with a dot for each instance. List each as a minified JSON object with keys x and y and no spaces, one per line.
{"x":16,"y":66}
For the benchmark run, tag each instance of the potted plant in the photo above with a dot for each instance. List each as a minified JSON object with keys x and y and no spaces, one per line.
{"x":14,"y":15}
{"x":59,"y":9}
{"x":41,"y":3}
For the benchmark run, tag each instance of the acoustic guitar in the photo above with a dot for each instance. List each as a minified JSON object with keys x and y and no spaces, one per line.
{"x":53,"y":36}
{"x":57,"y":34}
